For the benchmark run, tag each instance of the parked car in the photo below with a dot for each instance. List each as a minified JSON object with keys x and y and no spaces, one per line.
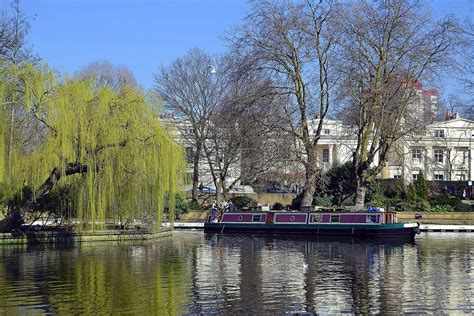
{"x":276,"y":190}
{"x":206,"y":190}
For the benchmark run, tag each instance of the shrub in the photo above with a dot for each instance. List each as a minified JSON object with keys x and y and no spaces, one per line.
{"x":421,"y":206}
{"x":194,"y":205}
{"x":373,"y":190}
{"x":391,"y":188}
{"x":380,"y":200}
{"x":5,"y":193}
{"x":445,"y":199}
{"x":323,"y":200}
{"x":421,"y":187}
{"x":464,"y":208}
{"x":442,"y":208}
{"x":243,"y":201}
{"x":411,"y":193}
{"x":296,"y":202}
{"x":278,"y":206}
{"x":403,"y":206}
{"x":181,"y":205}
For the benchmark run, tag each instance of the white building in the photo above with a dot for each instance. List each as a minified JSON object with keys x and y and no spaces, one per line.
{"x":443,"y":151}
{"x":182,"y":132}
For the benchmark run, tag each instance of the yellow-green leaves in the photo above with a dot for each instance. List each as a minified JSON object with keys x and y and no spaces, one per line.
{"x":132,"y":163}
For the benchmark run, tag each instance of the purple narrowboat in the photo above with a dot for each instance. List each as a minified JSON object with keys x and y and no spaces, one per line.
{"x":340,"y":223}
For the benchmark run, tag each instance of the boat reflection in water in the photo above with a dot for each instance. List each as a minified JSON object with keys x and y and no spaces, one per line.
{"x":276,"y":274}
{"x":220,"y":274}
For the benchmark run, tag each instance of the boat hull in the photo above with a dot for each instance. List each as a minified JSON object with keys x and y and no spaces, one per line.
{"x":397,"y":230}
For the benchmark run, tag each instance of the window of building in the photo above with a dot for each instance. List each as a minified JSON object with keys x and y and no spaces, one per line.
{"x":420,"y":132}
{"x":327,"y":131}
{"x":439,"y":133}
{"x":334,"y":218}
{"x":415,"y":176}
{"x":416,"y":155}
{"x":439,"y":175}
{"x":397,"y":176}
{"x":438,"y":155}
{"x":325,"y":155}
{"x":464,"y":154}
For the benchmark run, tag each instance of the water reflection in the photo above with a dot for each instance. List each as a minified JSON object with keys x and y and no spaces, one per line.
{"x":194,"y":273}
{"x":96,"y":278}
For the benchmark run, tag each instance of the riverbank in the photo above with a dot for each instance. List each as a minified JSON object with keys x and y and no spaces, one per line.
{"x":72,"y":237}
{"x":446,"y":218}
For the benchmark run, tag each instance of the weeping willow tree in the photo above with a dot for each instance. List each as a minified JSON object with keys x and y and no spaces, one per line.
{"x":105,"y":145}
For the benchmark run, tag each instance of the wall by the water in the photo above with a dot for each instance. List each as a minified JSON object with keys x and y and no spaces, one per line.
{"x":68,"y":237}
{"x":454,"y":218}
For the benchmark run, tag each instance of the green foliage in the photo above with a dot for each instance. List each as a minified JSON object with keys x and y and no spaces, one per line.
{"x":278,"y":206}
{"x":132,"y":162}
{"x":6,"y":194}
{"x":324,"y":200}
{"x":417,"y":206}
{"x":373,"y":191}
{"x":243,"y":201}
{"x":341,"y":184}
{"x":446,"y":199}
{"x":195,"y":205}
{"x":391,"y":188}
{"x":181,"y":205}
{"x":61,"y":201}
{"x":296,"y":202}
{"x":421,"y":187}
{"x":411,"y":194}
{"x":441,"y":208}
{"x":379,"y":200}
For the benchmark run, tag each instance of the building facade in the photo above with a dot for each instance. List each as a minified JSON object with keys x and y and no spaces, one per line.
{"x":442,"y":151}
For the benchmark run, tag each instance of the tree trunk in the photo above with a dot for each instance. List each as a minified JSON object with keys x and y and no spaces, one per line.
{"x":219,"y":191}
{"x":14,"y":218}
{"x":196,"y":157}
{"x":310,"y":180}
{"x":361,"y":190}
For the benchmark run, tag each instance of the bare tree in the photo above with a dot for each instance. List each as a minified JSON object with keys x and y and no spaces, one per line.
{"x":389,"y":46}
{"x":191,"y":89}
{"x":242,"y":142}
{"x":104,"y":73}
{"x":296,"y":43}
{"x":14,"y":30}
{"x":466,"y":103}
{"x":14,"y":51}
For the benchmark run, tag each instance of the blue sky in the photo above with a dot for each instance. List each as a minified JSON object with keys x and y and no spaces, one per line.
{"x":144,"y":34}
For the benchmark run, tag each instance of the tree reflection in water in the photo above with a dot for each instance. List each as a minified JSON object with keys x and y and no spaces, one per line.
{"x":241,"y":275}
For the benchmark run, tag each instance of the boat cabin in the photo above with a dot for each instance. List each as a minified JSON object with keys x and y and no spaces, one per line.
{"x":277,"y":217}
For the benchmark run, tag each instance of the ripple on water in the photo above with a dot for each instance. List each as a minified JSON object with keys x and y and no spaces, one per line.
{"x":241,"y":275}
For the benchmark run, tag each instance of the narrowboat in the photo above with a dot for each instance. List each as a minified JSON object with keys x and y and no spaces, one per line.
{"x":371,"y":224}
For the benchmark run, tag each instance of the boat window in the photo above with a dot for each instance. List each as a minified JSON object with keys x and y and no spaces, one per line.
{"x":256,"y":218}
{"x":334,"y":218}
{"x":315,"y":218}
{"x":372,"y":219}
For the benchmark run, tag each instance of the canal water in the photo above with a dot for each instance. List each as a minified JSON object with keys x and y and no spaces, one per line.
{"x":194,"y":273}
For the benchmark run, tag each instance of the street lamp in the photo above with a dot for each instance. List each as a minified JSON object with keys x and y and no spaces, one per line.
{"x":212,"y":69}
